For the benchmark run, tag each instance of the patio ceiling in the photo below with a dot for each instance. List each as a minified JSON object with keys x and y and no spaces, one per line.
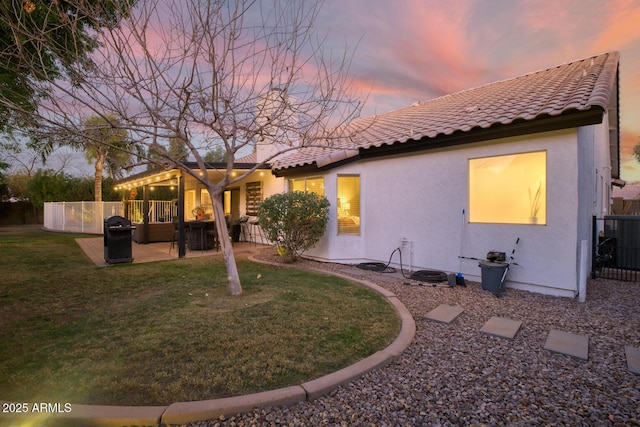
{"x":165,"y":178}
{"x":162,"y":177}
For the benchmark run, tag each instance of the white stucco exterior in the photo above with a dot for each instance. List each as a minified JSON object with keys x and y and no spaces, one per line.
{"x":420,"y":197}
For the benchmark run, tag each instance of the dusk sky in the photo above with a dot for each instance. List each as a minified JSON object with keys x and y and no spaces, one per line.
{"x":413,"y":50}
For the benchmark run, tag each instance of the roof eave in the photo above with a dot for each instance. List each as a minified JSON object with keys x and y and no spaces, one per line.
{"x":567,"y":120}
{"x":191,"y":165}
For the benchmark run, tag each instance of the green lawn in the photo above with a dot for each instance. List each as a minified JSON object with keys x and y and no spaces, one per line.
{"x":156,"y":333}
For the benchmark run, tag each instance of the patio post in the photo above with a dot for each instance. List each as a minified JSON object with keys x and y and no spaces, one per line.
{"x":145,"y":214}
{"x":181,"y":234}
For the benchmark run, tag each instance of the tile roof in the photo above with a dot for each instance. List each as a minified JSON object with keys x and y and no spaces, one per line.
{"x":249,"y":158}
{"x":575,"y":86}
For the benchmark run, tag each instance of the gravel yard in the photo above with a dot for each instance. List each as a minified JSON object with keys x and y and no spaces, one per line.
{"x":453,"y":374}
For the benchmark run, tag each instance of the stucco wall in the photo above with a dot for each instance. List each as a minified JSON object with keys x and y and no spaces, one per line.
{"x":421,"y":196}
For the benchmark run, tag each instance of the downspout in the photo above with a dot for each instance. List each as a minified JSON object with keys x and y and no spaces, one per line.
{"x":583,"y":271}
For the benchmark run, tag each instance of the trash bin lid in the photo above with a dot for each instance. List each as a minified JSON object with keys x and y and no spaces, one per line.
{"x":493,"y":264}
{"x":116,"y":221}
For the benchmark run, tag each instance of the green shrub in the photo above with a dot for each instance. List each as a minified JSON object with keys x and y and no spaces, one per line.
{"x":294,"y":221}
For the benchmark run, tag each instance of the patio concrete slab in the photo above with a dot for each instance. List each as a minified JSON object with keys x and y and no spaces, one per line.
{"x":573,"y":345}
{"x":501,"y":327}
{"x":93,"y":248}
{"x":445,"y":313}
{"x":633,"y":359}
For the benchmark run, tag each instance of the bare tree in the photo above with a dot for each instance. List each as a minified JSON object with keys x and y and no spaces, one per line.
{"x":208,"y":73}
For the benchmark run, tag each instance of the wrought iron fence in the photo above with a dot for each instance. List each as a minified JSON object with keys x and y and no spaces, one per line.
{"x":616,"y":248}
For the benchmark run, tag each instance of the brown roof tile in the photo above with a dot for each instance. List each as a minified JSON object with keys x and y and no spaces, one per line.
{"x":249,"y":158}
{"x":575,"y":86}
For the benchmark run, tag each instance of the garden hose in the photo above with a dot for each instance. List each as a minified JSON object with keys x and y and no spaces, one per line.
{"x":430,"y":276}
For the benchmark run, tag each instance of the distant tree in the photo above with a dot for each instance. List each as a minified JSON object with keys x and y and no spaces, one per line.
{"x":636,"y":151}
{"x":178,"y":149}
{"x":106,"y":146}
{"x":4,"y":185}
{"x":216,"y":155}
{"x":157,"y":151}
{"x":18,"y":183}
{"x":47,"y":186}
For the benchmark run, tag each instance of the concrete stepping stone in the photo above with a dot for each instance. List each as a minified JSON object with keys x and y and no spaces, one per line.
{"x":501,"y":327}
{"x":567,"y":343}
{"x":445,"y":313}
{"x":633,"y":358}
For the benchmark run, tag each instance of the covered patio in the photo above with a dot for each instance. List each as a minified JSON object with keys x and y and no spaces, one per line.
{"x":193,"y":203}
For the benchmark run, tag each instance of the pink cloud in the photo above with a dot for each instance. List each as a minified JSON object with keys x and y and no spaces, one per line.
{"x":628,"y":139}
{"x":415,"y":50}
{"x":620,"y":25}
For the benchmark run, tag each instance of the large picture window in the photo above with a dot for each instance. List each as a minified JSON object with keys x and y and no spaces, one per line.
{"x":348,"y":204}
{"x":509,"y":189}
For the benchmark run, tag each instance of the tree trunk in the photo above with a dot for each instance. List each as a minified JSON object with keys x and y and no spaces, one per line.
{"x":235,"y":288}
{"x":97,"y":179}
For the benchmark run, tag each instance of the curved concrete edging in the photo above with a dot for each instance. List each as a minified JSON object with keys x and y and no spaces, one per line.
{"x":186,"y":412}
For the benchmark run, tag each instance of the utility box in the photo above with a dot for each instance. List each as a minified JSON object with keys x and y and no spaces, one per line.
{"x":492,"y":273}
{"x":117,"y":240}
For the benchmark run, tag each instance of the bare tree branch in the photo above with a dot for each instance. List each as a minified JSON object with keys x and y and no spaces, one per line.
{"x":208,"y":73}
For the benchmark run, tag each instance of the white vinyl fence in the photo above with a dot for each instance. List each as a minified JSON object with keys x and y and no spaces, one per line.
{"x":79,"y":217}
{"x":88,"y":217}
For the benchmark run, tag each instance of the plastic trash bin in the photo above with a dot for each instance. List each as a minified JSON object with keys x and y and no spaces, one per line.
{"x":117,"y":240}
{"x":492,"y":273}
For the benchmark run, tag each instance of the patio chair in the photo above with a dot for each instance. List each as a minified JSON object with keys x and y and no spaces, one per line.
{"x":255,"y":231}
{"x":244,"y":228}
{"x":175,"y":233}
{"x":198,"y":238}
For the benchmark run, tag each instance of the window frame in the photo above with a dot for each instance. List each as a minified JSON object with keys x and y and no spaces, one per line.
{"x":306,"y":187}
{"x":522,"y":198}
{"x":349,"y":230}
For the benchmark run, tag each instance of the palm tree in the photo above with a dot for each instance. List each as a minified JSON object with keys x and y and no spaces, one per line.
{"x":636,"y":150}
{"x":105,"y":145}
